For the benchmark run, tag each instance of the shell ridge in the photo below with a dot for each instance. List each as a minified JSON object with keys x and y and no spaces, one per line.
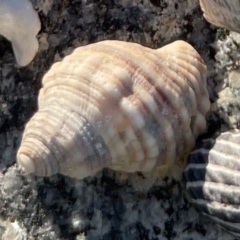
{"x":220,"y":210}
{"x":144,"y":104}
{"x":232,"y":227}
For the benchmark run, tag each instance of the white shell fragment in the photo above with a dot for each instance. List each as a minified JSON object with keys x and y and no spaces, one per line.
{"x":19,"y":23}
{"x":117,"y":105}
{"x":223,"y":13}
{"x":213,"y":180}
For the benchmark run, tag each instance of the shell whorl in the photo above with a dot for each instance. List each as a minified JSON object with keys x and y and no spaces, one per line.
{"x":213,"y":180}
{"x":118,"y":105}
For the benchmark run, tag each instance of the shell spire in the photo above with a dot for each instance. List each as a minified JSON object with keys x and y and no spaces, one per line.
{"x":117,"y":105}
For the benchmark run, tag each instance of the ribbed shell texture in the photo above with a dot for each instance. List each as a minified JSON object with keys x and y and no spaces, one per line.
{"x":118,"y":105}
{"x":213,"y":179}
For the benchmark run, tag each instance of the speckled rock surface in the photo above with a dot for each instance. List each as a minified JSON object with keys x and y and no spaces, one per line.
{"x":110,"y":205}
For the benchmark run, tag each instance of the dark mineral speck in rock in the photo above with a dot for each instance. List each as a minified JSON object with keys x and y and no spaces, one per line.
{"x":159,"y":3}
{"x":157,"y":230}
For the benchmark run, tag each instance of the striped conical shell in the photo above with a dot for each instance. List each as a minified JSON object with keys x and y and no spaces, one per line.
{"x":118,"y":105}
{"x":213,"y":179}
{"x":222,"y":13}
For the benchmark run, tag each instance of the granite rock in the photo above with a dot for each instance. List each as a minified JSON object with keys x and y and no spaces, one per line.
{"x":110,"y":205}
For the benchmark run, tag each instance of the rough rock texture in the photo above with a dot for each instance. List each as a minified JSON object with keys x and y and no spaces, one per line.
{"x":110,"y":205}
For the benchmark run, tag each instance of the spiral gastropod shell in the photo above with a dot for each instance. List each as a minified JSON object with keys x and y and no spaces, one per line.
{"x":117,"y":105}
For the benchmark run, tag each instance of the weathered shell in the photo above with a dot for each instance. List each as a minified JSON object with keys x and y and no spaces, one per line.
{"x":118,"y":105}
{"x":213,"y":179}
{"x":20,"y":24}
{"x":223,"y":13}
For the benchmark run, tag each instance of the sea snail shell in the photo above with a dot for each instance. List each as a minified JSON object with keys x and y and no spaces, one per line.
{"x":117,"y":105}
{"x":213,"y":180}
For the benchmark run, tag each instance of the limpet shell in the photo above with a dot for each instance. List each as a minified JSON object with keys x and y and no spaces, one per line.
{"x":213,"y":180}
{"x":117,"y":105}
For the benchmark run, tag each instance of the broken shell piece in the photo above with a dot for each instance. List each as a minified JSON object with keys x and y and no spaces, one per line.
{"x":19,"y":23}
{"x":213,"y":180}
{"x":117,"y":105}
{"x":222,"y":13}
